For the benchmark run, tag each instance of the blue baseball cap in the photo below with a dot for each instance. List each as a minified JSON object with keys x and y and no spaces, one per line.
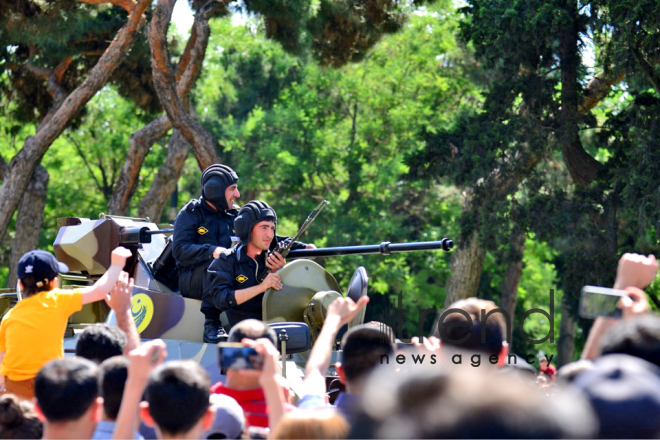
{"x":39,"y":268}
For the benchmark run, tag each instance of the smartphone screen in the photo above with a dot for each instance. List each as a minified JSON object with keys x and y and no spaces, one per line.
{"x":600,"y":301}
{"x":237,"y":356}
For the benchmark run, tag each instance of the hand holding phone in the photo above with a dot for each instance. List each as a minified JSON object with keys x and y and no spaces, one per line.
{"x":613,"y":303}
{"x":600,"y":301}
{"x":236,"y":356}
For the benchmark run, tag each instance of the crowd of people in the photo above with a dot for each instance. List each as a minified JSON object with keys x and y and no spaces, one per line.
{"x":120,"y":387}
{"x":117,"y":386}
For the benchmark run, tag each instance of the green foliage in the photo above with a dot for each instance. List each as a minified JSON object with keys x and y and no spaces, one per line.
{"x":297,"y":133}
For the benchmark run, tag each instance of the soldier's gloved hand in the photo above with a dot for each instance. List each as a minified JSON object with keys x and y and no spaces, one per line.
{"x":275,"y":261}
{"x":272,"y":281}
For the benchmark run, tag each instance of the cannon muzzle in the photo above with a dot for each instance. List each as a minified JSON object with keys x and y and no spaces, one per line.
{"x":385,"y":248}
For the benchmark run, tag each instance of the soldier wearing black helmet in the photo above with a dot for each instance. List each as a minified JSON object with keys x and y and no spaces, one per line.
{"x":202,"y":230}
{"x":236,"y":275}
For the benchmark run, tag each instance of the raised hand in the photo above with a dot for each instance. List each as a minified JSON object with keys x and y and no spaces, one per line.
{"x":119,"y":298}
{"x":119,"y":256}
{"x":346,"y":309}
{"x":635,"y":270}
{"x":635,"y":304}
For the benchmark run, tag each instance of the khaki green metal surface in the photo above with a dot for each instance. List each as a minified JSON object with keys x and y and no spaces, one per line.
{"x":301,"y":280}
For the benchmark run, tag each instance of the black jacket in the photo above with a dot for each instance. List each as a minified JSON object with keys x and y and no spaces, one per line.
{"x":235,"y":270}
{"x":198,"y":230}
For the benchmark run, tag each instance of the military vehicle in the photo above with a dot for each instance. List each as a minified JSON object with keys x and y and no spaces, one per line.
{"x":296,"y":312}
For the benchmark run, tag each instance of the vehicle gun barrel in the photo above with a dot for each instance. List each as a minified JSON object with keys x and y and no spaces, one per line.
{"x":134,"y":235}
{"x":385,"y":248}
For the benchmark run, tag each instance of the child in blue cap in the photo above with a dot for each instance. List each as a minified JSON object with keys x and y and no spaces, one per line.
{"x":32,"y":333}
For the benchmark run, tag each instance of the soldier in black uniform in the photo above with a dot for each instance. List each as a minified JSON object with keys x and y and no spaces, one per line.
{"x":202,"y":230}
{"x":236,"y":276}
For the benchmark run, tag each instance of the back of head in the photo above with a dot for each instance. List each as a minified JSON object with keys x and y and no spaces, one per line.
{"x":363,"y":348}
{"x":18,"y":419}
{"x":427,"y":402}
{"x":36,"y":271}
{"x":639,"y":337}
{"x":625,"y":393}
{"x":99,"y":342}
{"x":229,"y":419}
{"x":252,"y":329}
{"x":483,"y":337}
{"x":311,"y":424}
{"x":178,"y":395}
{"x":112,"y":378}
{"x":66,"y":388}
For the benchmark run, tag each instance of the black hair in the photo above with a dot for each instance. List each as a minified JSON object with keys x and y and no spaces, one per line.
{"x":178,"y":395}
{"x":362,"y":350}
{"x":639,"y":337}
{"x":65,"y":388}
{"x":429,"y":402}
{"x":18,"y":419}
{"x":30,"y":287}
{"x":112,"y":378}
{"x":252,"y":329}
{"x":454,"y":327}
{"x":99,"y":342}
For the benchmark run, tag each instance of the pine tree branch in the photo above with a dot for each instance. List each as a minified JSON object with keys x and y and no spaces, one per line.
{"x":24,"y":163}
{"x":165,"y":84}
{"x":599,"y":86}
{"x":188,"y":69}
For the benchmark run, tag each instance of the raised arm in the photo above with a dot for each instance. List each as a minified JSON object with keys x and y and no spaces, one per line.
{"x":341,"y":311}
{"x":142,"y":361}
{"x":119,"y":300}
{"x":269,"y":380}
{"x":102,"y":287}
{"x":633,"y":271}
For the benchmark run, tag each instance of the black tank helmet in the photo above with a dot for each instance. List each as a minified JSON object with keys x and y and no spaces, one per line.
{"x":249,"y":215}
{"x":215,"y":180}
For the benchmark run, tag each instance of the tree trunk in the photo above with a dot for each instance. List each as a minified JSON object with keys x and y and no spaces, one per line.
{"x":566,"y":340}
{"x":141,"y":141}
{"x":582,"y":167}
{"x":466,"y":266}
{"x":165,"y":82}
{"x":512,"y":274}
{"x":29,"y":221}
{"x":24,"y":163}
{"x":155,"y":200}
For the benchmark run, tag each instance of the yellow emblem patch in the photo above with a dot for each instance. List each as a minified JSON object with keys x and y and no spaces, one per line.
{"x":241,"y":279}
{"x":202,"y":230}
{"x":142,"y":309}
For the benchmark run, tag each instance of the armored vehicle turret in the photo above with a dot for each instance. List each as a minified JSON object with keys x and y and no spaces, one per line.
{"x":159,"y":311}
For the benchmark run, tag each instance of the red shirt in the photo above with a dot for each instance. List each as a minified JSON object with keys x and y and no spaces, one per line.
{"x":550,"y":371}
{"x":252,"y":401}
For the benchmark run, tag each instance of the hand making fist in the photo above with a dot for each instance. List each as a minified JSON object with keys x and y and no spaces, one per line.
{"x":119,"y":256}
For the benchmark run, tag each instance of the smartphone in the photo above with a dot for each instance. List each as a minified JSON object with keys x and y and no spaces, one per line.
{"x":600,"y":301}
{"x":236,"y":356}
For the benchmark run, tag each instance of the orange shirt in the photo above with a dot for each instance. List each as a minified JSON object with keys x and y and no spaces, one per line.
{"x":32,"y":333}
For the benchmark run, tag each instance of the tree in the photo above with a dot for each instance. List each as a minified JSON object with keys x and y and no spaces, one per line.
{"x":532,"y":133}
{"x":64,"y":108}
